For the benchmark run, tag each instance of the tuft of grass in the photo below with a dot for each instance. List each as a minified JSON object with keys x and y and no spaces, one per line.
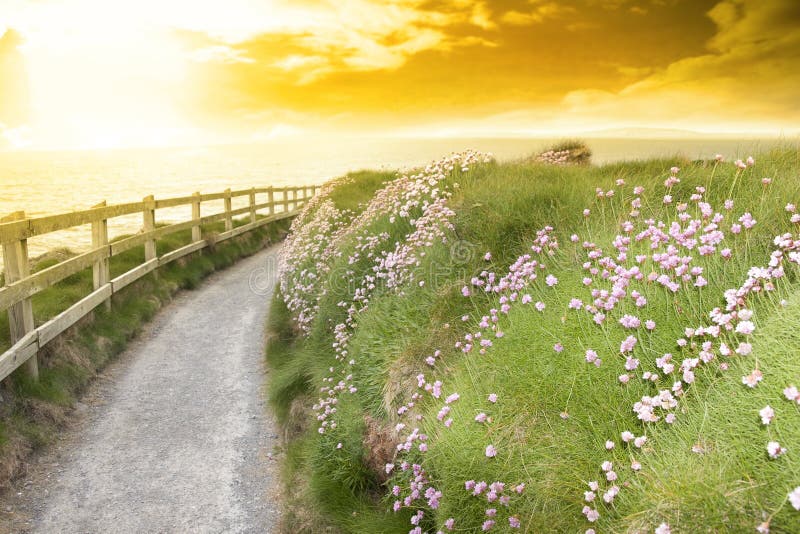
{"x":573,"y":152}
{"x":32,"y":413}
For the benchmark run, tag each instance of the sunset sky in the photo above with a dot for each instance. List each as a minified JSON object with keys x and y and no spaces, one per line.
{"x":108,"y":73}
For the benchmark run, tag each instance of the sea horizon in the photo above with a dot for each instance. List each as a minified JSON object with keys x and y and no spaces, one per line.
{"x":57,"y":181}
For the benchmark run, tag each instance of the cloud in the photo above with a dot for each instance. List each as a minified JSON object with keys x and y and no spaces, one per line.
{"x":537,"y":14}
{"x":220,"y":54}
{"x":354,"y":36}
{"x":750,"y":71}
{"x":359,"y":35}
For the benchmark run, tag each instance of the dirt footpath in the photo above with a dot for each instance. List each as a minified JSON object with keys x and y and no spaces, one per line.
{"x":175,"y":436}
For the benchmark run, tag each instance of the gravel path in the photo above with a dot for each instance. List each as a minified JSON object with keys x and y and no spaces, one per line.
{"x":178,"y":438}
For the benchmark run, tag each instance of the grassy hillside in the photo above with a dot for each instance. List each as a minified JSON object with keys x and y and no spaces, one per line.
{"x":533,"y":347}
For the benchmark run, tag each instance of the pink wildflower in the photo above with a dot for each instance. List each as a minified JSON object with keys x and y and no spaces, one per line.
{"x":491,"y":452}
{"x":774,"y":449}
{"x":745,"y":327}
{"x":575,"y":304}
{"x":794,"y":498}
{"x":767,"y":414}
{"x":753,"y":378}
{"x":630,"y":321}
{"x":628,"y":344}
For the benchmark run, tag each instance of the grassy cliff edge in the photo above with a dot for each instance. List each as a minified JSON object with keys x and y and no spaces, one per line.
{"x":525,"y":346}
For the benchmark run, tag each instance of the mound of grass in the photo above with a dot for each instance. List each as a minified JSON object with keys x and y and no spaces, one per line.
{"x":567,"y":152}
{"x":408,"y":385}
{"x":31,"y":413}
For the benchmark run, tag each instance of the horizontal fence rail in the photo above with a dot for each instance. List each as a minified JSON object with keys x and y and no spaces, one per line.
{"x":20,"y":285}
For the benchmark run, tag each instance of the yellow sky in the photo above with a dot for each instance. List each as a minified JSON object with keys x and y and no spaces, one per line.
{"x":107,"y":73}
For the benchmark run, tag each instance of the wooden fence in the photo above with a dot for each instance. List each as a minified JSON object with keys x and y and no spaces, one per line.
{"x":21,"y":285}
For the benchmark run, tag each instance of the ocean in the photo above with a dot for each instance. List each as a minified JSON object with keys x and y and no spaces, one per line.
{"x":42,"y":183}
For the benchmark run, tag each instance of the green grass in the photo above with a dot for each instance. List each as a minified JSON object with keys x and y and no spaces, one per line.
{"x":32,"y":412}
{"x":731,"y":486}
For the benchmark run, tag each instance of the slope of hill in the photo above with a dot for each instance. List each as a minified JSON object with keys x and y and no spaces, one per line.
{"x":500,"y":346}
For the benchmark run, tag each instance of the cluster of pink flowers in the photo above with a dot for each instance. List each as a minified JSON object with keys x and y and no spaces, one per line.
{"x":400,"y":200}
{"x":306,"y":255}
{"x":396,"y":267}
{"x":495,"y":493}
{"x":670,"y":254}
{"x":510,"y":290}
{"x":554,"y":157}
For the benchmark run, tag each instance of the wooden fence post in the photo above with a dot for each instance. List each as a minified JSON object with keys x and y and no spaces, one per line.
{"x":253,"y":205}
{"x":101,"y":272}
{"x":149,"y":225}
{"x":20,"y":315}
{"x":196,"y":231}
{"x":271,"y":200}
{"x":228,"y":216}
{"x":294,"y":198}
{"x":285,"y":199}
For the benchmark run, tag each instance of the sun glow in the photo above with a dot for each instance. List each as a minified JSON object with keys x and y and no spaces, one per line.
{"x":107,"y":73}
{"x":111,"y":74}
